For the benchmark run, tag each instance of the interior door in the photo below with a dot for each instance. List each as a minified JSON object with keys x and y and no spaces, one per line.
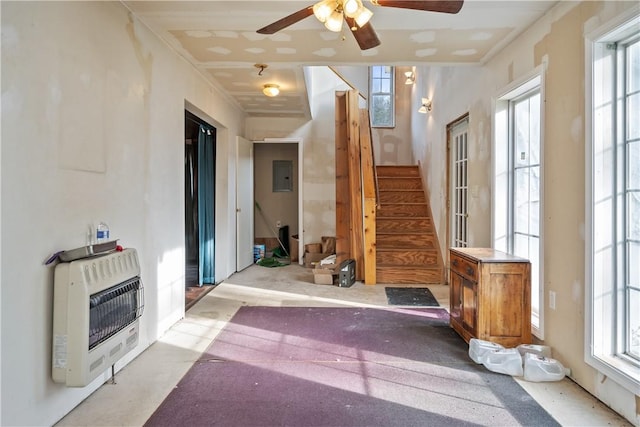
{"x":460,"y":184}
{"x":244,"y":203}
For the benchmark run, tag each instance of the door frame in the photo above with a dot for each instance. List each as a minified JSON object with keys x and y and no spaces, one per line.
{"x":300,"y":143}
{"x":449,"y":142}
{"x":249,"y":215}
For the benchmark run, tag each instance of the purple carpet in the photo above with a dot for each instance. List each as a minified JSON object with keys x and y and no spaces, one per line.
{"x":294,"y":366}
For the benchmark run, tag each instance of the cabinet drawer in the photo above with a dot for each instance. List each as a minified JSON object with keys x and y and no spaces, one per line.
{"x":464,"y":267}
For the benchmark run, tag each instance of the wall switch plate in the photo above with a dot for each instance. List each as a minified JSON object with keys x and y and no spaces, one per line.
{"x":278,"y":224}
{"x":552,"y":300}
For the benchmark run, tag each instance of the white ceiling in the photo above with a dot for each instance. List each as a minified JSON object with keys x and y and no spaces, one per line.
{"x":219,"y":38}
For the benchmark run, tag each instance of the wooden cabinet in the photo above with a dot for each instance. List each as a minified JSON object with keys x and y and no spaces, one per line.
{"x":490,"y":296}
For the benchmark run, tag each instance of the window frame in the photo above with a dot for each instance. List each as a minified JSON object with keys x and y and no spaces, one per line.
{"x":601,"y":351}
{"x":502,"y":176}
{"x":391,"y":95}
{"x":526,"y":93}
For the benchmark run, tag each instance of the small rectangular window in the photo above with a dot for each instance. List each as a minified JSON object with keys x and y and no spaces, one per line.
{"x":382,"y":96}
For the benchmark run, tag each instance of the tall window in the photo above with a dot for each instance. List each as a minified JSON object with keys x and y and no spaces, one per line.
{"x":517,"y":226}
{"x":613,"y":206}
{"x":382,"y":96}
{"x":524,"y":212}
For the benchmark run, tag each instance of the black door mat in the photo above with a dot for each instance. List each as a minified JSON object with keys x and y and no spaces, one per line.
{"x":411,"y":296}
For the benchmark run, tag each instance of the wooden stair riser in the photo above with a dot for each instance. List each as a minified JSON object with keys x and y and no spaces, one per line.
{"x":400,"y":183}
{"x":403,"y":210}
{"x":408,"y":225}
{"x":385,"y":171}
{"x":408,"y":241}
{"x":402,"y":196}
{"x":398,"y":275}
{"x":395,"y":257}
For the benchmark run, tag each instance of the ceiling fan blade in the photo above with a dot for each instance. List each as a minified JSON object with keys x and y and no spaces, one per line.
{"x":286,"y":21}
{"x":365,"y":35}
{"x":444,"y":6}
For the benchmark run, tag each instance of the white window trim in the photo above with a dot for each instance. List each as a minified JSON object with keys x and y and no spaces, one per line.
{"x":535,"y":78}
{"x":622,"y":372}
{"x":392,"y":94}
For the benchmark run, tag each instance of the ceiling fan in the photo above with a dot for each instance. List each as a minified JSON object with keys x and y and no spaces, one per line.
{"x":332,"y":13}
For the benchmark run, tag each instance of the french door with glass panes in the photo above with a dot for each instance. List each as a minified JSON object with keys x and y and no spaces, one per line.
{"x":459,"y":184}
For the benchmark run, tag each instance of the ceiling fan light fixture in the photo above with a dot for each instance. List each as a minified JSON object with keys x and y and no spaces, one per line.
{"x":323,"y":9}
{"x":334,"y":22}
{"x":271,"y":89}
{"x":363,"y":16}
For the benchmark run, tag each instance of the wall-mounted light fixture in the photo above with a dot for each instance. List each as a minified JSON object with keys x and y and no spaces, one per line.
{"x":410,"y":78}
{"x":271,"y":89}
{"x":425,"y":107}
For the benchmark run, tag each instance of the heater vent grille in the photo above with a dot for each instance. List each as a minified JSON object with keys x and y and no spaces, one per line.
{"x":114,"y":309}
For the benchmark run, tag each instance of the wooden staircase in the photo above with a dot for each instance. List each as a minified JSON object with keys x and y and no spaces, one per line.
{"x":407,"y":250}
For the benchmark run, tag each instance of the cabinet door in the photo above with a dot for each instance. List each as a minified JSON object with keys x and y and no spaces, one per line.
{"x":469,"y":306}
{"x":455,"y":297}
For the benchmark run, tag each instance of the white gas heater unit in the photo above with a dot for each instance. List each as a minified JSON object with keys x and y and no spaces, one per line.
{"x":97,"y":304}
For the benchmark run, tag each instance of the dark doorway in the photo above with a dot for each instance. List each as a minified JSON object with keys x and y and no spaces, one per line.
{"x":199,"y":170}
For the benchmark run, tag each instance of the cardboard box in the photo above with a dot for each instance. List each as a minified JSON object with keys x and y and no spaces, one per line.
{"x":323,"y":276}
{"x":313,"y":248}
{"x":311,"y":260}
{"x":293,"y":247}
{"x":328,"y":244}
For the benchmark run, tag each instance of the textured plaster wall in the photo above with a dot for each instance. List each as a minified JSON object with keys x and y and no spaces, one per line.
{"x":556,"y":40}
{"x":318,"y":187}
{"x":92,"y":130}
{"x":441,"y":85}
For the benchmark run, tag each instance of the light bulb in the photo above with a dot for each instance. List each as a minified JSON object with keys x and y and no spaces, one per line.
{"x":351,"y":8}
{"x":271,"y":89}
{"x":322,"y":10}
{"x":363,"y":16}
{"x":334,"y":22}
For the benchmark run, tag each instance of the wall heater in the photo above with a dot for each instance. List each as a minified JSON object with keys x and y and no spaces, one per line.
{"x":97,"y":304}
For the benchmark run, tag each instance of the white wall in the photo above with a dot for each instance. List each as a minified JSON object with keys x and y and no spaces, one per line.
{"x":557,"y":39}
{"x":92,"y":129}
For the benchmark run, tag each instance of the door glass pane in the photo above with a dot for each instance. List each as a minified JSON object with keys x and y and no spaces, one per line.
{"x":522,"y":133}
{"x":534,"y":200}
{"x":633,"y":165}
{"x":521,"y":199}
{"x":634,"y":323}
{"x":533,"y":255}
{"x":534,"y":129}
{"x":633,"y":67}
{"x":521,"y":245}
{"x":633,"y":110}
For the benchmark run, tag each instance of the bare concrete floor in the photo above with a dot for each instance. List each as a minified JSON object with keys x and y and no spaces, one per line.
{"x":143,"y":384}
